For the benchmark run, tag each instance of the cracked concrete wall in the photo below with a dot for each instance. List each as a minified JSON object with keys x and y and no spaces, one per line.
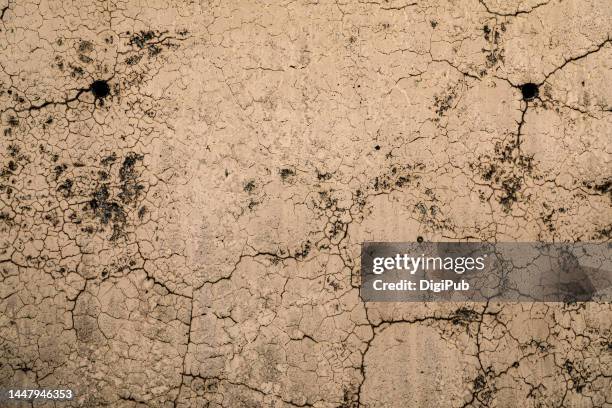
{"x":184,"y":188}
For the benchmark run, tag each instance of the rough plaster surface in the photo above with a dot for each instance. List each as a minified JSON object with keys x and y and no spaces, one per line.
{"x":189,"y":235}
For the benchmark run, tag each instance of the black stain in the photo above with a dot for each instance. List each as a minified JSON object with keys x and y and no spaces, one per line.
{"x":286,"y":173}
{"x":111,"y":202}
{"x":419,"y":239}
{"x":154,"y":50}
{"x":510,"y":189}
{"x":250,"y":186}
{"x":444,"y":102}
{"x":131,"y":188}
{"x":529,"y":91}
{"x":100,"y":88}
{"x":323,"y":176}
{"x":304,"y":251}
{"x":59,"y":170}
{"x":108,"y":160}
{"x":486,"y":31}
{"x":66,"y":188}
{"x":133,"y":60}
{"x":141,"y":39}
{"x":604,"y":187}
{"x":76,"y":71}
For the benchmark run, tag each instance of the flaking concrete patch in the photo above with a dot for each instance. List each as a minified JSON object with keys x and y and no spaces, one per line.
{"x":403,"y":355}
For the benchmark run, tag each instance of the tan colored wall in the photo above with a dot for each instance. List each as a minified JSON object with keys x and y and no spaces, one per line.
{"x":192,"y":238}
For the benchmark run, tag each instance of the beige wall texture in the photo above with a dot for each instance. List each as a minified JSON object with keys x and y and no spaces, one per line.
{"x":185,"y":186}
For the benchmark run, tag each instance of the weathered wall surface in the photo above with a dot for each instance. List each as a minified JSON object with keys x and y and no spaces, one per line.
{"x":184,"y":188}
